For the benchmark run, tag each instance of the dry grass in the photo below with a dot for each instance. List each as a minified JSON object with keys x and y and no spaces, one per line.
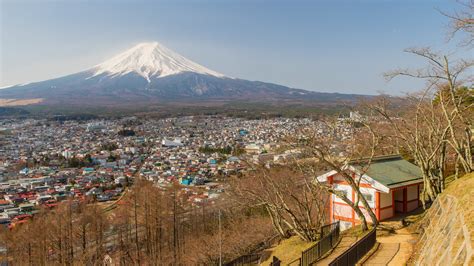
{"x":356,"y":231}
{"x":288,"y":250}
{"x":19,"y":102}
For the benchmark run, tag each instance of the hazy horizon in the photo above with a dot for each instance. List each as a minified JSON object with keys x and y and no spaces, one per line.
{"x":321,"y":46}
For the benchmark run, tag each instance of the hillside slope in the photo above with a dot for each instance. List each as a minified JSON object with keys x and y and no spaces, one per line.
{"x":448,"y":227}
{"x":463,"y":190}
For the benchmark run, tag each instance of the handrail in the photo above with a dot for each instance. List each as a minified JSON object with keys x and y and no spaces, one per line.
{"x":326,"y":242}
{"x":352,"y":255}
{"x":328,"y":239}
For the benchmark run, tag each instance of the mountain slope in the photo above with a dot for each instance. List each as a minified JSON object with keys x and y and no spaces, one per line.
{"x":151,"y":73}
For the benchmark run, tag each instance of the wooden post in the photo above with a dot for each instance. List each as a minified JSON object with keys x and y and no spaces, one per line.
{"x":377,"y":205}
{"x":353,"y":212}
{"x":405,"y":199}
{"x":418,"y":195}
{"x":331,"y":203}
{"x":330,"y":238}
{"x":393,"y":202}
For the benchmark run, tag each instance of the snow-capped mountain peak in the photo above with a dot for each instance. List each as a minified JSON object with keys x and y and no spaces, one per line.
{"x":148,"y":60}
{"x":172,"y":80}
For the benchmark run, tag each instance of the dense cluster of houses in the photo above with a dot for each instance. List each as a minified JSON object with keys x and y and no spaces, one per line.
{"x":44,"y":187}
{"x":45,"y":161}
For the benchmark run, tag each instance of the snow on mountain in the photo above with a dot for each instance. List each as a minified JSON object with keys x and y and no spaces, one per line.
{"x":150,"y":60}
{"x":150,"y":74}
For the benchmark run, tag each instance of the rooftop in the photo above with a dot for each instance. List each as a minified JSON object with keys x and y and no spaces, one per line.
{"x":390,"y":170}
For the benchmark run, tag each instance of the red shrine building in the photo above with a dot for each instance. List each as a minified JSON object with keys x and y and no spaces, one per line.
{"x":390,"y":185}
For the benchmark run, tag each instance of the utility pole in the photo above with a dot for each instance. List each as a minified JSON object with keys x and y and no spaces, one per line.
{"x":175,"y":232}
{"x":220,"y":239}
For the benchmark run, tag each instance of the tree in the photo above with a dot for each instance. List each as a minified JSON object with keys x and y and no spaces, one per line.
{"x":293,"y":204}
{"x":109,"y":146}
{"x":331,"y":151}
{"x":447,"y":79}
{"x":70,"y":233}
{"x":149,"y":225}
{"x":462,"y":21}
{"x":420,"y":132}
{"x":126,"y":132}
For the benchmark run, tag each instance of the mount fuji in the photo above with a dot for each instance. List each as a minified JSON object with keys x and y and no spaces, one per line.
{"x":151,"y":73}
{"x":150,"y":60}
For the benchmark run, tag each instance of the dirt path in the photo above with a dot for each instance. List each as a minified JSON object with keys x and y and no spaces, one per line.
{"x":345,"y":243}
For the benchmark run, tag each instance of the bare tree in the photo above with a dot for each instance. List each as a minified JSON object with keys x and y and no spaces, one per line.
{"x":421,"y":132}
{"x":151,"y":225}
{"x":52,"y":237}
{"x":294,"y":206}
{"x":331,"y":151}
{"x":462,"y":21}
{"x":448,"y":78}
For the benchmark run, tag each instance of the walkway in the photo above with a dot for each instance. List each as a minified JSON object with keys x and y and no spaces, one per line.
{"x":345,"y":243}
{"x":395,"y":249}
{"x":384,"y":254}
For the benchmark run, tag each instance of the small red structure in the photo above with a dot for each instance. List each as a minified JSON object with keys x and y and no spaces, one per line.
{"x":390,"y":185}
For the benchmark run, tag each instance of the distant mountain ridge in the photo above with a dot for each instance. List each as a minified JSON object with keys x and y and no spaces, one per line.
{"x":151,"y":73}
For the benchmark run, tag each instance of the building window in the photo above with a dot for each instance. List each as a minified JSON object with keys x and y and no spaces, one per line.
{"x":368,"y":197}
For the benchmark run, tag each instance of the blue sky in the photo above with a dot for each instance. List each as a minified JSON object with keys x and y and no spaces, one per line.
{"x":335,"y":46}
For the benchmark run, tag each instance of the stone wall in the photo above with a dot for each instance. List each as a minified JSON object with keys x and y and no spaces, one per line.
{"x":445,"y":238}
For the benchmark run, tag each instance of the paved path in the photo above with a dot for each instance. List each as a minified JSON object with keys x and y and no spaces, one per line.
{"x":383,"y":255}
{"x":407,"y":242}
{"x":395,"y":249}
{"x":345,"y":243}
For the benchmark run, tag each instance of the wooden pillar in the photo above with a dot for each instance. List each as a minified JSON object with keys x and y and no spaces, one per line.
{"x":393,"y":203}
{"x":377,"y":205}
{"x":331,"y":203}
{"x":353,"y":213}
{"x":353,"y":200}
{"x":418,"y":195}
{"x":405,"y":199}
